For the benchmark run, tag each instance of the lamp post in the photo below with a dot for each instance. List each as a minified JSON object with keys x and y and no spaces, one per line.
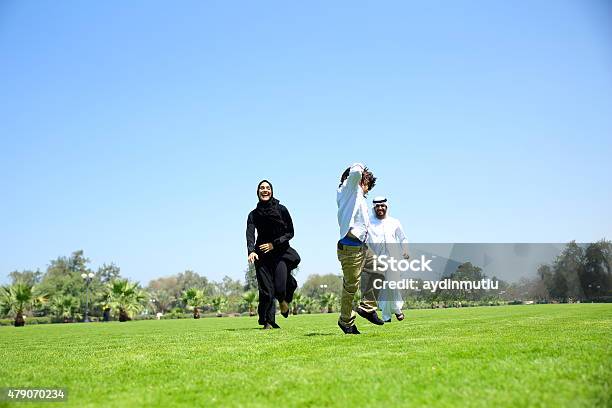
{"x":88,"y":277}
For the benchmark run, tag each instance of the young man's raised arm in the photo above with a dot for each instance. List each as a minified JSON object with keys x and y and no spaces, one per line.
{"x":355,"y":173}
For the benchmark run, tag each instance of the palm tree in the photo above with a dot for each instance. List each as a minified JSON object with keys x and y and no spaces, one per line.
{"x":297,"y":301}
{"x":218,"y":304}
{"x":328,"y":300}
{"x":125,"y":296}
{"x":308,"y":303}
{"x":194,"y":298}
{"x":162,"y":300}
{"x":17,"y":299}
{"x":249,"y":299}
{"x":66,"y":307}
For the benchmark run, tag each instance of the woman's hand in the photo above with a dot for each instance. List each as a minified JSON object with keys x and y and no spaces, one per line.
{"x":253,"y":257}
{"x":265,"y":248}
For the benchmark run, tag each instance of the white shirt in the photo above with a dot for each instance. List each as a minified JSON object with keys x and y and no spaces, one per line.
{"x":386,"y":237}
{"x":352,"y":206}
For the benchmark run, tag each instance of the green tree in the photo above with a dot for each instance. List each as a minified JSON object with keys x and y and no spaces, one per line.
{"x":31,"y":278}
{"x":232,"y":291}
{"x":166,"y":291}
{"x":17,"y":299}
{"x":229,"y":287}
{"x":126,"y":297}
{"x":250,"y":299}
{"x":66,"y":307}
{"x":464,"y":272}
{"x":559,"y":288}
{"x":309,"y":304}
{"x":316,"y":285}
{"x":298,"y":299}
{"x":596,"y":276}
{"x":545,"y":274}
{"x":194,"y":299}
{"x":250,"y":279}
{"x":162,"y":300}
{"x":219,"y":303}
{"x":107,"y":273}
{"x":328,"y":300}
{"x":191,"y":279}
{"x":568,"y":267}
{"x":63,"y":277}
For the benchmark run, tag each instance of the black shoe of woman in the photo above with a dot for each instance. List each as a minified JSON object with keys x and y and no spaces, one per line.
{"x":284,"y":305}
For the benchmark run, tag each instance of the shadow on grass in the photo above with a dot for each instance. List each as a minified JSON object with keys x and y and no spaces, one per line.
{"x":244,"y":329}
{"x":319,"y":334}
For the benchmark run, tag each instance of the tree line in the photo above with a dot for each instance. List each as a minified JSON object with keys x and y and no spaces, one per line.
{"x":69,"y":286}
{"x":578,"y":274}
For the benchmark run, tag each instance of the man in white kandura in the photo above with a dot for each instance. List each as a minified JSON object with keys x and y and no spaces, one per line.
{"x":386,"y":237}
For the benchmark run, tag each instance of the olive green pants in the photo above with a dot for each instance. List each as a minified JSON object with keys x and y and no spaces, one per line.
{"x":357,"y":266}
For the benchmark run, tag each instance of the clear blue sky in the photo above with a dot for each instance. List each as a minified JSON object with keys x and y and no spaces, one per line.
{"x":137,"y":131}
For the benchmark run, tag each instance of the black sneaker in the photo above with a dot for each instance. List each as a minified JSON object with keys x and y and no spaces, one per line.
{"x":274,"y":325}
{"x":349,"y":330}
{"x":372,"y":317}
{"x":388,"y":321}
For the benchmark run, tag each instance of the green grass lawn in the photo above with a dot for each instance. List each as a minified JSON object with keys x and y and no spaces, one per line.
{"x":512,"y":356}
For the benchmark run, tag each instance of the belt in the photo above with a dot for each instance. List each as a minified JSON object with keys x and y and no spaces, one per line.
{"x":342,"y":246}
{"x":349,"y":242}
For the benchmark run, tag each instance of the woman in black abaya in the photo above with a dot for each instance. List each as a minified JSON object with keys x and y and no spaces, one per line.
{"x":274,"y":259}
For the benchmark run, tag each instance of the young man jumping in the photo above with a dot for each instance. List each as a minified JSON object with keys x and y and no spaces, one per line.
{"x":353,"y":255}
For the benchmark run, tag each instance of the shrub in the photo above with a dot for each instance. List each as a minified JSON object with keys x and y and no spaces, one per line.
{"x":29,"y":320}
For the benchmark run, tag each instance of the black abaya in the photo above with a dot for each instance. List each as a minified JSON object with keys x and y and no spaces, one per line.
{"x":273,"y":269}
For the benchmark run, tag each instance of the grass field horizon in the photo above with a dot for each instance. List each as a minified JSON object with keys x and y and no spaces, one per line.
{"x":508,"y":356}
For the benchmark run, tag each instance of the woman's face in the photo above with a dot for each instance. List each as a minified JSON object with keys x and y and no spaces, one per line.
{"x":265,"y":191}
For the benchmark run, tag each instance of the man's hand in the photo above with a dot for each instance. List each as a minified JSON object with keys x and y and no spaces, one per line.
{"x":253,"y":257}
{"x":265,"y":248}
